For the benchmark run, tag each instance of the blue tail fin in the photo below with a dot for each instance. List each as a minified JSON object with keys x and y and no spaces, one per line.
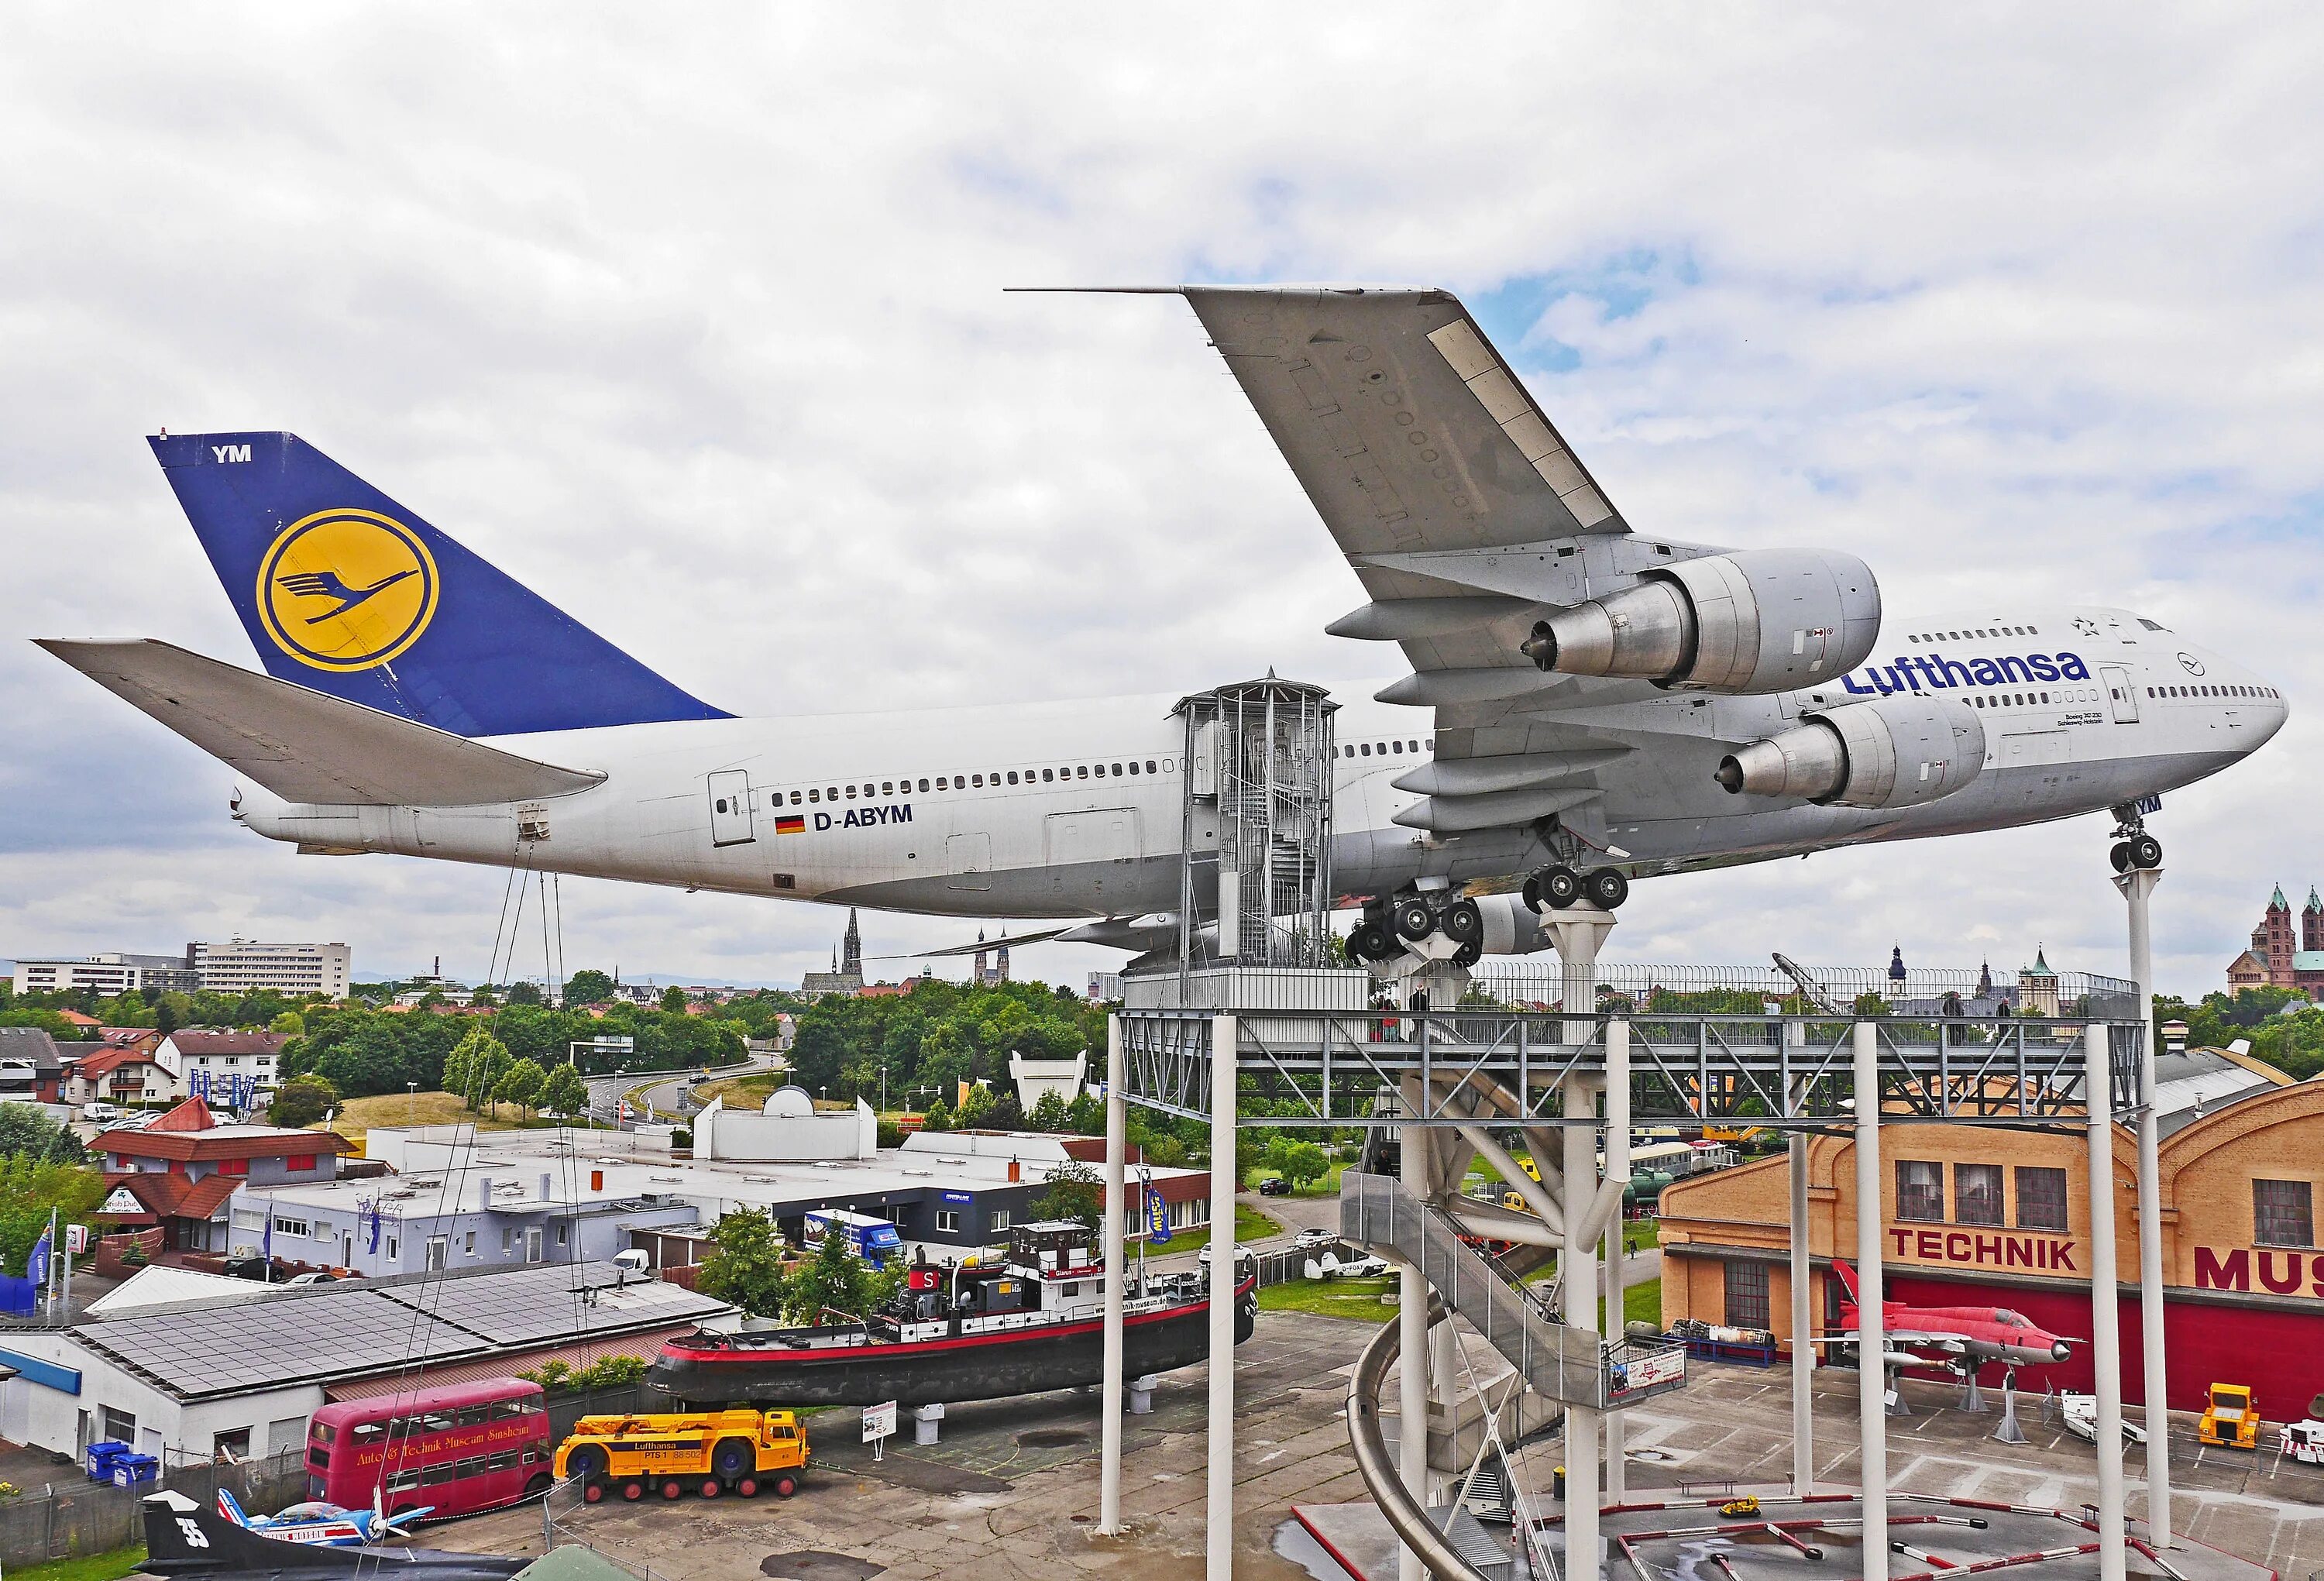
{"x":345,"y":591}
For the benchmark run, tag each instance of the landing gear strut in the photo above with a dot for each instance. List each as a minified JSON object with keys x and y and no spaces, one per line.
{"x":1557,"y":886}
{"x":2132,"y":846}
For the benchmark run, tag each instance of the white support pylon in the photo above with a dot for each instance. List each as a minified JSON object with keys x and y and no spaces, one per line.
{"x":1871,"y":1328}
{"x":1117,"y":1279}
{"x":1803,"y":1355}
{"x":1577,"y":1273}
{"x":1218,"y":1513}
{"x":2106,"y":1309}
{"x":2137,"y":886}
{"x":1618,"y":1171}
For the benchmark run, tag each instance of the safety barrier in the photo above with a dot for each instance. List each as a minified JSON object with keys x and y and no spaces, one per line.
{"x":74,"y":1517}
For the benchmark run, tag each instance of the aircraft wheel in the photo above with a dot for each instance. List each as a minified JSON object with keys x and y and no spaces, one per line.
{"x":2120,"y":856}
{"x":634,"y":1490}
{"x":748,"y":1488}
{"x":2146,"y":851}
{"x":1561,"y":886}
{"x":592,"y":1491}
{"x":1607,"y":888}
{"x":673,"y":1490}
{"x":1531,"y":893}
{"x":1468,"y":954}
{"x":1462,"y":923}
{"x":1414,"y":920}
{"x":1370,"y":942}
{"x":712,"y":1487}
{"x":786,"y":1485}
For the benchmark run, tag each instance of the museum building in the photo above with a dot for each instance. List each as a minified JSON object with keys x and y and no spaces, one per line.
{"x":1981,"y":1215}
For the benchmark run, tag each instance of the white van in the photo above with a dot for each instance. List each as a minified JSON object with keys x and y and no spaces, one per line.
{"x":99,"y":1110}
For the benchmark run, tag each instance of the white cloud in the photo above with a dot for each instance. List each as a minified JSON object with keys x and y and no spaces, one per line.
{"x":695,"y":325}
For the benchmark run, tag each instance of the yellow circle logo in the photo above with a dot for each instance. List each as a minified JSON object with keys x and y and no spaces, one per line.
{"x":346,"y":590}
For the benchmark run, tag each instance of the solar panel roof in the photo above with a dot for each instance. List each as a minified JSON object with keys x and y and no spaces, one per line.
{"x":358,"y":1327}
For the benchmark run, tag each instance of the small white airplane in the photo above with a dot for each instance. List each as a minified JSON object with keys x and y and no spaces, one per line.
{"x":319,"y":1524}
{"x":1587,"y":705}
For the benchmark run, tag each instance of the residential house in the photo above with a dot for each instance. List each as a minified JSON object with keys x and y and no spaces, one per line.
{"x":182,"y":1170}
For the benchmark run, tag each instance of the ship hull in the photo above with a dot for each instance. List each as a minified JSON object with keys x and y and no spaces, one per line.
{"x":941,"y":1370}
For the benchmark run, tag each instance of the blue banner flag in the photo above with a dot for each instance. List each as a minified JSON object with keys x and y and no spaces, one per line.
{"x":36,"y":1262}
{"x":1158,"y":1218}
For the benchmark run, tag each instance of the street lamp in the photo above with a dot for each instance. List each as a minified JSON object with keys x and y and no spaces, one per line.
{"x":411,"y":1103}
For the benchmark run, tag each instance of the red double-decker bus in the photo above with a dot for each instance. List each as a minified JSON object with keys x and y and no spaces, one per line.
{"x":454,"y":1450}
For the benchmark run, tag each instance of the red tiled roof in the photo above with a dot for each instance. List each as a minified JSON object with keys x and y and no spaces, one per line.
{"x":229,"y":1042}
{"x":220,"y":1142}
{"x":110,"y":1060}
{"x":193,"y":1115}
{"x":130,"y":1037}
{"x":77,"y":1018}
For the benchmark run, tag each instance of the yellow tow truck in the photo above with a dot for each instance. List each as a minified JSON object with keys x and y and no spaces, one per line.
{"x":711,"y":1452}
{"x":2230,"y":1420}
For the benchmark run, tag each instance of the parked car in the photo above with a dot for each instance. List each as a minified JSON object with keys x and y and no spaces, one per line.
{"x":98,"y":1110}
{"x":315,"y":1278}
{"x":1275,"y":1186}
{"x":1317,"y":1240}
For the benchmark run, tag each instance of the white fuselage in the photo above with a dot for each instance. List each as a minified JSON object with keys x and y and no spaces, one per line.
{"x":1061,"y":810}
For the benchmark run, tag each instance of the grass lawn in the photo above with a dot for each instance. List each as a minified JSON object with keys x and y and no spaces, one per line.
{"x":1250,"y":1225}
{"x":120,"y":1562}
{"x":357,"y":1116}
{"x":750,"y":1092}
{"x":1357,"y":1299}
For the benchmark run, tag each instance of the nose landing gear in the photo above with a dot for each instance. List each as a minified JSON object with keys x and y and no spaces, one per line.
{"x":2132,"y":846}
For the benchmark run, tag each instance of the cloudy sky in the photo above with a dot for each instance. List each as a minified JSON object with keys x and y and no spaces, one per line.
{"x":697,"y":326}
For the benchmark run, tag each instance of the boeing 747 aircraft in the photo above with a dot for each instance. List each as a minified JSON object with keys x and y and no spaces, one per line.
{"x":1587,"y":703}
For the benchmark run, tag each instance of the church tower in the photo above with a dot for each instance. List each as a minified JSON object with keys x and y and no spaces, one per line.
{"x":2311,"y":922}
{"x":851,"y":949}
{"x":2273,"y":941}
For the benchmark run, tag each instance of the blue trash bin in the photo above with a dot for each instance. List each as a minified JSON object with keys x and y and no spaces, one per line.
{"x":131,"y":1471}
{"x":100,"y":1456}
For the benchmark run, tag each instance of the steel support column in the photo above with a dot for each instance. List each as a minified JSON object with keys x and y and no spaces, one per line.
{"x":1415,"y":1154}
{"x":1117,"y":1279}
{"x":1219,"y":1511}
{"x":1577,"y":1275}
{"x":1872,"y":1339}
{"x":2106,"y":1313}
{"x":1617,"y":1169}
{"x":2137,"y":886}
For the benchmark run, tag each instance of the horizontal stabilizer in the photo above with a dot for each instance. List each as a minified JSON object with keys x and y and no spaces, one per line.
{"x":1014,"y":942}
{"x":306,"y":746}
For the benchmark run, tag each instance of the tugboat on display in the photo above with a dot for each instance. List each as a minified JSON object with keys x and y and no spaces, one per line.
{"x":1028,"y":1321}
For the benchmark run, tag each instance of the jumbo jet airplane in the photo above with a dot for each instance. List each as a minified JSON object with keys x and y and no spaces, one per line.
{"x":1587,"y":703}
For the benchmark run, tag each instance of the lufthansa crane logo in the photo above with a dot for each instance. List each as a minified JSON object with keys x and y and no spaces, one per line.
{"x":347,"y":590}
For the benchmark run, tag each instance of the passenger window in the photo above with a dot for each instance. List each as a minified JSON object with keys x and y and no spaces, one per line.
{"x":1081,"y":771}
{"x":1012,"y":776}
{"x":1133,"y":765}
{"x":943,"y":783}
{"x":977,"y":781}
{"x":1149,"y":765}
{"x":813,"y":795}
{"x":1047,"y":774}
{"x":924,"y":785}
{"x":795,"y":798}
{"x":1366,"y":749}
{"x":887,"y":787}
{"x":1117,"y":771}
{"x":850,"y":793}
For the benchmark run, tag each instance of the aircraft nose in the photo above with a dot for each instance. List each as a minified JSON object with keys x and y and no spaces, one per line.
{"x":2060,"y":1351}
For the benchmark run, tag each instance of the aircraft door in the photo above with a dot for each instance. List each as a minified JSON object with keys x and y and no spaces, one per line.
{"x":968,"y":861}
{"x":2121,"y":695}
{"x":730,"y":808}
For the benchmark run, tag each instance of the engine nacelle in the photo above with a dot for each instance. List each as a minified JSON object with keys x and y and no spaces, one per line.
{"x":1760,"y":620}
{"x":1894,"y":752}
{"x":1511,"y":927}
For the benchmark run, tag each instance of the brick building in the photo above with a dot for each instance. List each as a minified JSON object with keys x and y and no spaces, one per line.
{"x":2278,"y":959}
{"x":181,"y":1172}
{"x":1976,"y":1216}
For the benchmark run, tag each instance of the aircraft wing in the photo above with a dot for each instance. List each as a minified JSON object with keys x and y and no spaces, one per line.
{"x":307,"y":746}
{"x":1934,"y":1338}
{"x":1459,"y":506}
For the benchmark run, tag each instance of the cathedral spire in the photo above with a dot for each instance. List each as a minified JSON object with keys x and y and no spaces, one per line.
{"x":851,"y":948}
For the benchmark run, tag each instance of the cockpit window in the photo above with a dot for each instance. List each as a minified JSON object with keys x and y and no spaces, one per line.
{"x":2150,"y":625}
{"x":2015,"y":1319}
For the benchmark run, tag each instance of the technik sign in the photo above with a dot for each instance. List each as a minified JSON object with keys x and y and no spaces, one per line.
{"x":1977,"y":1249}
{"x":2275,"y":1270}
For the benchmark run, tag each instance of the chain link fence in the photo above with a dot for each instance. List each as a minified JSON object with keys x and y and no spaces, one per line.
{"x":83,"y":1517}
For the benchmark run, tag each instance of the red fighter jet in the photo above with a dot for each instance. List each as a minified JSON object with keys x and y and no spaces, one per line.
{"x":1967,"y":1337}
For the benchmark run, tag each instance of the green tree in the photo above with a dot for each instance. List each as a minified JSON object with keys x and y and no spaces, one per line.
{"x":938,"y":1116}
{"x":521,"y":993}
{"x":588,"y":987}
{"x":832,"y":1279}
{"x":745,"y":1265}
{"x":48,"y":1021}
{"x":564,"y":1091}
{"x":28,"y":1189}
{"x":301,"y":1101}
{"x":1049,"y":1113}
{"x":27,"y":1132}
{"x":479,"y":1060}
{"x":1075,"y":1191}
{"x":1301,"y":1163}
{"x":521,"y":1085}
{"x":290,"y":1022}
{"x":976,"y":1108}
{"x":673,"y":1000}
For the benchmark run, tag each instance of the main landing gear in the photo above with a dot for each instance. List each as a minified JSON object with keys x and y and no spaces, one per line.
{"x":1415,"y":919}
{"x":2132,"y":846}
{"x":1557,"y":886}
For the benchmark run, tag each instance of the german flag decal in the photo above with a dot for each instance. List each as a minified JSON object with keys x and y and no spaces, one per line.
{"x":791,"y":823}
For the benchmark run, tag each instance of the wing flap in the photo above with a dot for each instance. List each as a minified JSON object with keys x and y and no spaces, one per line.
{"x":306,"y":746}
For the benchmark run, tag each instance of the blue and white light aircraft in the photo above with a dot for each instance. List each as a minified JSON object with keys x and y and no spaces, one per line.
{"x":1587,"y":705}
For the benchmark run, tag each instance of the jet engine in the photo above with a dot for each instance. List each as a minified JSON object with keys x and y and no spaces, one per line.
{"x":1894,"y":752}
{"x":1760,"y":620}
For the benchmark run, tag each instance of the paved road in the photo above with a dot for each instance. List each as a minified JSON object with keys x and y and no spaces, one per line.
{"x":671,"y":1095}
